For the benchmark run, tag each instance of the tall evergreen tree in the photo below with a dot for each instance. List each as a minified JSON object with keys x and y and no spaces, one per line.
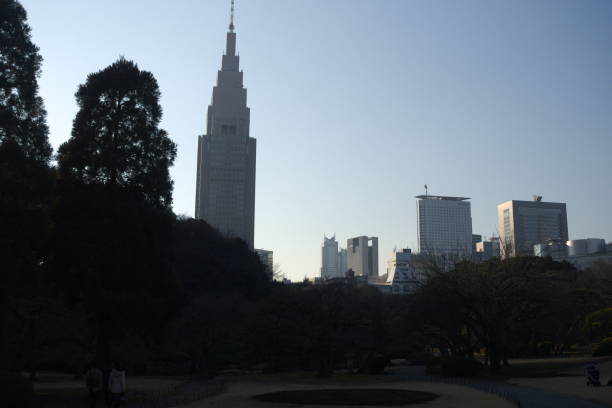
{"x":22,"y":114}
{"x":25,"y":177}
{"x":114,"y":218}
{"x":116,"y":141}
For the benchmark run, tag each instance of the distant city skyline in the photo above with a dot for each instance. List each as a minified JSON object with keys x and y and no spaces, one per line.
{"x":491,"y":100}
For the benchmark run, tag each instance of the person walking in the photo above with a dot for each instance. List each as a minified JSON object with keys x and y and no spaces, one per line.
{"x":116,"y":385}
{"x":93,"y":382}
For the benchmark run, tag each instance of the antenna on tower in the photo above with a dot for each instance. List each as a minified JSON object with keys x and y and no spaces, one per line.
{"x":425,"y":190}
{"x":231,"y":25}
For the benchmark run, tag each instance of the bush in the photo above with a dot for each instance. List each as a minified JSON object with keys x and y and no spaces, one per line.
{"x":420,"y":358}
{"x":545,"y":348}
{"x":16,"y":391}
{"x":454,"y":366}
{"x":604,"y":348}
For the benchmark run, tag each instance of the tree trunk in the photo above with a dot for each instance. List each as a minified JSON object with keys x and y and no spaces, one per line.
{"x":103,"y":357}
{"x":495,"y":361}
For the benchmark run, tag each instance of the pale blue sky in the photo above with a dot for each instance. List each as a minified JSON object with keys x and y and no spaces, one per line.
{"x":356,"y":104}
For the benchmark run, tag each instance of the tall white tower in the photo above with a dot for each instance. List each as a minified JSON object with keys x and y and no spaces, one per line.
{"x":225,"y":189}
{"x":329,"y":258}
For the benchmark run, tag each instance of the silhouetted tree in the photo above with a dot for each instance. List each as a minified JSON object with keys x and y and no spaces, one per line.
{"x":212,"y":332}
{"x":598,"y":325}
{"x":25,"y":179}
{"x":207,"y":263}
{"x":116,"y":141}
{"x":277,"y":272}
{"x":22,"y":114}
{"x":114,"y":220}
{"x":598,"y":277}
{"x":305,"y":325}
{"x":222,"y":278}
{"x":502,"y":303}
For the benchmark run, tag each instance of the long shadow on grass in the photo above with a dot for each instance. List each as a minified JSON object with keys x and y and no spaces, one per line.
{"x":348,"y":396}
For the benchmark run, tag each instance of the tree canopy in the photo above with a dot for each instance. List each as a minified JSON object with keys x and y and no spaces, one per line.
{"x":26,"y":181}
{"x":116,"y":141}
{"x":113,"y":243}
{"x":22,"y":114}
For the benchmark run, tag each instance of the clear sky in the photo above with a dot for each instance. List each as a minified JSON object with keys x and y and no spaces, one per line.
{"x":357,"y":104}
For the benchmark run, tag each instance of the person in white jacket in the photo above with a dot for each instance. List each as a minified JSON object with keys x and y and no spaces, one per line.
{"x":116,"y":385}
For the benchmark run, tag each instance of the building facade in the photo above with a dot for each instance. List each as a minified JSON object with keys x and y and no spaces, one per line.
{"x":588,"y":246}
{"x":444,"y":226}
{"x":523,"y":224}
{"x":582,"y":253}
{"x":476,"y":238}
{"x":267,"y":258}
{"x":401,"y":274}
{"x":362,"y":255}
{"x":487,"y":249}
{"x":225,"y":189}
{"x":329,"y":258}
{"x":342,"y":265}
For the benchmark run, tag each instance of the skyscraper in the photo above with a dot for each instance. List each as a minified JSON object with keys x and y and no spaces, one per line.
{"x":329,"y":258}
{"x":225,"y":190}
{"x":342,"y":265}
{"x":522,"y":224}
{"x":362,"y":255}
{"x":444,"y":226}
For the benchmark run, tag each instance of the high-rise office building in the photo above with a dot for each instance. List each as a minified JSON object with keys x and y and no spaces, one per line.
{"x":329,"y":258}
{"x":333,"y":259}
{"x":401,"y":275}
{"x":522,"y":224}
{"x":267,"y":258}
{"x":487,"y":249}
{"x":362,"y":256}
{"x":476,"y":238}
{"x":342,"y":265}
{"x":225,"y":190}
{"x":444,"y":226}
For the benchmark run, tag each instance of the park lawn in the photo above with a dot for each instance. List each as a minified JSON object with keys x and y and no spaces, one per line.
{"x":60,"y":390}
{"x":573,"y":383}
{"x":548,"y":367}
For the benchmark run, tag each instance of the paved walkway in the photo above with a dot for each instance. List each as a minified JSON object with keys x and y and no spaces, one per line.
{"x":525,"y":397}
{"x":240,"y":391}
{"x":62,"y":391}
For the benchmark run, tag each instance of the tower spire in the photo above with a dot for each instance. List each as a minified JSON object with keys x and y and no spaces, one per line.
{"x":231,"y":25}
